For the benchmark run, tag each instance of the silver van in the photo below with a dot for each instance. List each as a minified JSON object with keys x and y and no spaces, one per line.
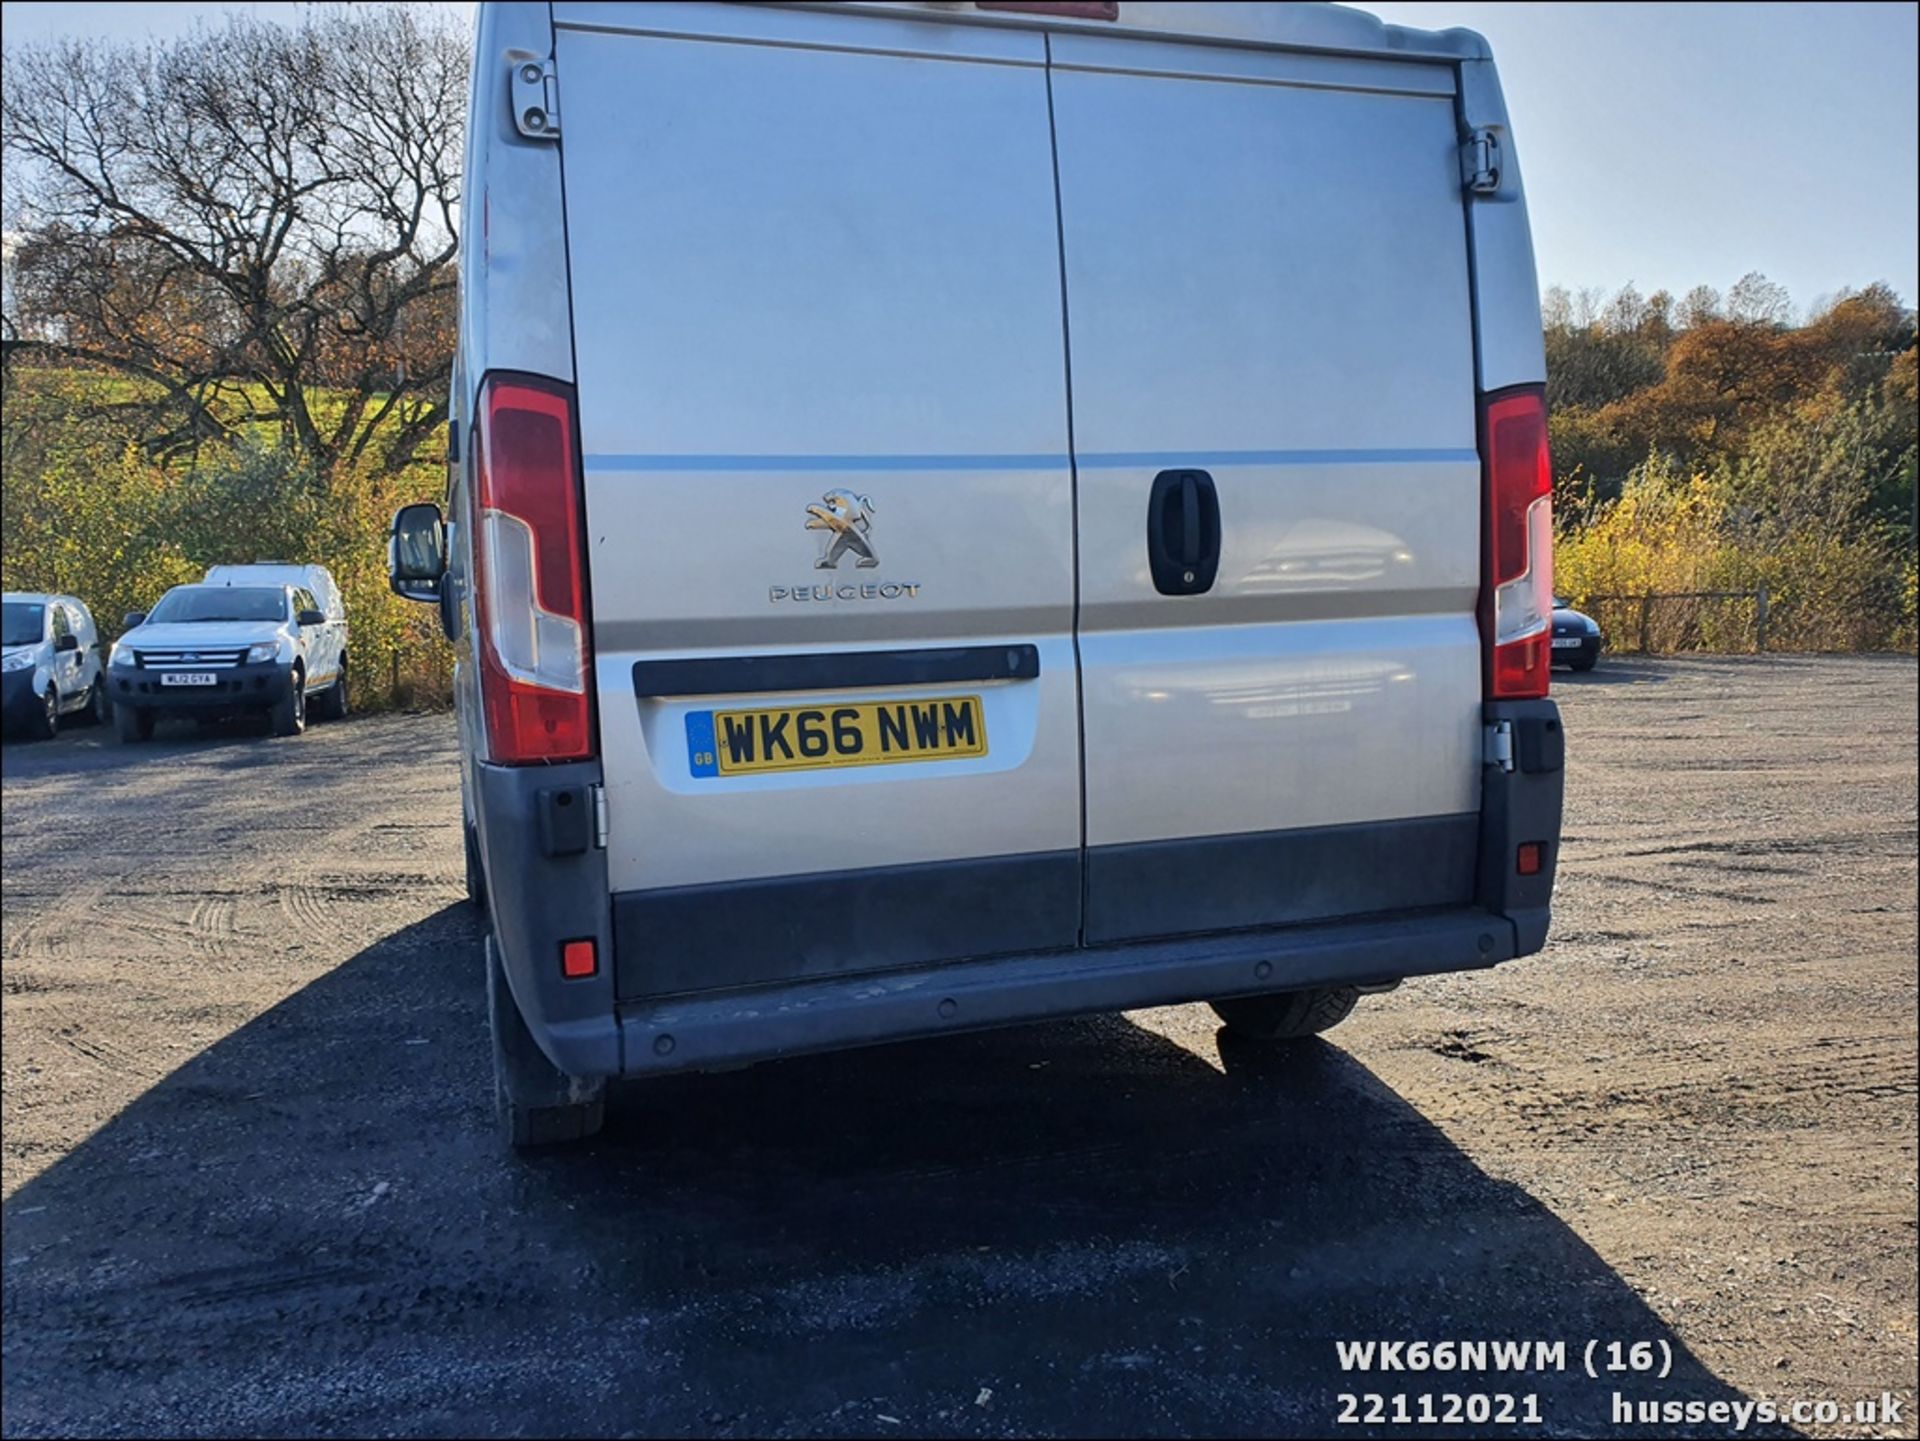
{"x":967,"y":513}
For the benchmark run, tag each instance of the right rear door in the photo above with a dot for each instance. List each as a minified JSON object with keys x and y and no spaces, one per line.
{"x":1267,"y":283}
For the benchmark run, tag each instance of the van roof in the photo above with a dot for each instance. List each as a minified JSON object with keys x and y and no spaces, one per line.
{"x":230,"y":585}
{"x":1297,"y":25}
{"x":42,"y":597}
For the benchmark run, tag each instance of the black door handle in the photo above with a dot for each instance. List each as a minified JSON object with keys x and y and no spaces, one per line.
{"x":1189,"y":521}
{"x":1183,"y":532}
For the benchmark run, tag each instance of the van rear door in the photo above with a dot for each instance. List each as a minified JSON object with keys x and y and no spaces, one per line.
{"x":1268,"y":302}
{"x":822,"y":409}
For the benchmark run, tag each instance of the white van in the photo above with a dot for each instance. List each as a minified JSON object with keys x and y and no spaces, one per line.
{"x":50,"y":667}
{"x":966,"y":513}
{"x":326,"y":643}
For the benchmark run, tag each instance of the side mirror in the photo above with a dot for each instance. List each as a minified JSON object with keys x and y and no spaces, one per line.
{"x":312,"y":617}
{"x":67,"y":642}
{"x":132,"y":618}
{"x":417,"y":552}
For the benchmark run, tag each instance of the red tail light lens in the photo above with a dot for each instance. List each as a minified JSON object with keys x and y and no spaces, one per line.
{"x":529,"y":562}
{"x":1516,"y":602}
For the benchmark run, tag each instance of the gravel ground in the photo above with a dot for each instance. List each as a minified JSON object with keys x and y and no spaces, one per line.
{"x":252,"y":1185}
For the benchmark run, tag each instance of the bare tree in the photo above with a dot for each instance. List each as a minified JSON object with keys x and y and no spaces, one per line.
{"x":1700,"y":306}
{"x":1756,"y":300}
{"x":258,"y":222}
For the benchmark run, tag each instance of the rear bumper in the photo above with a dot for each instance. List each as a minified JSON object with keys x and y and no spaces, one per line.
{"x":238,"y":687}
{"x":547,"y":885}
{"x":732,"y":1027}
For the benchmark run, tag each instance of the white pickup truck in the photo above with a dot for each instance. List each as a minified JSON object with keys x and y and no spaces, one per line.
{"x":248,"y":638}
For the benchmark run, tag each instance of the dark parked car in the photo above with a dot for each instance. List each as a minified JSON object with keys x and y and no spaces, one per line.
{"x":1576,"y":637}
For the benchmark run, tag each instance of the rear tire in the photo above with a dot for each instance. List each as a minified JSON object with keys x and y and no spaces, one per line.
{"x":331,"y":703}
{"x":46,"y":724}
{"x":537,"y":1103}
{"x":131,"y":724}
{"x":99,"y":709}
{"x":476,"y":873}
{"x":1286,"y":1015}
{"x":289,"y":713}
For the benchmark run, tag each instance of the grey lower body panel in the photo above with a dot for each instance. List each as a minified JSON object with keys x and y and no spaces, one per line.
{"x":832,"y":1013}
{"x":537,"y":901}
{"x":686,"y":939}
{"x":789,"y":928}
{"x":1274,"y":878}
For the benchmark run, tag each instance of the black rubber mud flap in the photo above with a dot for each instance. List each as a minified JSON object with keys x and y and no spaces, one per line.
{"x":538,"y":1104}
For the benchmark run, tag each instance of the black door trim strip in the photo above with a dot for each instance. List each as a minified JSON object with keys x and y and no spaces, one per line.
{"x":834,"y":670}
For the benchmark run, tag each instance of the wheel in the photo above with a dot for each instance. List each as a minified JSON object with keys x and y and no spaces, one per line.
{"x":131,"y":724}
{"x":476,"y":874}
{"x":289,"y":713}
{"x":99,"y":705}
{"x":331,"y":703}
{"x":537,"y":1103}
{"x":1286,"y":1015}
{"x":46,"y":724}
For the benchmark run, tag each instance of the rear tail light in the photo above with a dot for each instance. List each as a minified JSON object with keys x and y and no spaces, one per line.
{"x":529,"y":567}
{"x":1516,"y":601}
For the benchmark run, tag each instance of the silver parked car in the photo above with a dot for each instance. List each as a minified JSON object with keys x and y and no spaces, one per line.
{"x":962,"y":516}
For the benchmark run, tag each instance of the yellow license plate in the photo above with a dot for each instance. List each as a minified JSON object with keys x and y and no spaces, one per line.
{"x":819,"y":737}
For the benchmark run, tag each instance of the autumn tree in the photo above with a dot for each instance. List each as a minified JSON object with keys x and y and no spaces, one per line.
{"x":257,"y":223}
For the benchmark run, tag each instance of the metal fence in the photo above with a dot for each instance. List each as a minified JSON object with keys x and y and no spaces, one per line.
{"x":1668,"y":621}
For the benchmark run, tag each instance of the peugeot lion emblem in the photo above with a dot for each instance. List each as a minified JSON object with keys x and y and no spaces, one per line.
{"x":846,"y":519}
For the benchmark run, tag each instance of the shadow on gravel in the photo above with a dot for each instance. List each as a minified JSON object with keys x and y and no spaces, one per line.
{"x":1610,"y":673}
{"x":1076,"y":1229}
{"x":96,"y":749}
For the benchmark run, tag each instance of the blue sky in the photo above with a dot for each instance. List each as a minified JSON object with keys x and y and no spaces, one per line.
{"x":1664,"y":144}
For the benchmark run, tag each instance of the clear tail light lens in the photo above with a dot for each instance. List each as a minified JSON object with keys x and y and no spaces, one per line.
{"x":1516,"y":604}
{"x":530,"y":563}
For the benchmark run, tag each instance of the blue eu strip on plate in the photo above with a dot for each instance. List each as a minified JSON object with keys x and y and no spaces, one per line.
{"x":701,"y":759}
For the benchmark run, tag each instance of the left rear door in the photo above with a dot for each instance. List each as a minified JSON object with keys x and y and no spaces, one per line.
{"x":815,"y":268}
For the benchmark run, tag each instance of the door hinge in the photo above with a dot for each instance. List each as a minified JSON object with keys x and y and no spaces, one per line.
{"x":599,"y":815}
{"x":536,"y":98}
{"x":1480,"y":161}
{"x":1499,"y":745}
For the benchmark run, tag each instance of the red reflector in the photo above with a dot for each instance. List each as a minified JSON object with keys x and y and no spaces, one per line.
{"x":578,"y":959}
{"x":1527,"y":860}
